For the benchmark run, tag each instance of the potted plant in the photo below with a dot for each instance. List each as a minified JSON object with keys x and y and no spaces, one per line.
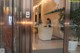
{"x":74,"y":29}
{"x":73,"y":38}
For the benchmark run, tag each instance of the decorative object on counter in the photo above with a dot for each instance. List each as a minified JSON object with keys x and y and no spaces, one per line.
{"x":45,"y":33}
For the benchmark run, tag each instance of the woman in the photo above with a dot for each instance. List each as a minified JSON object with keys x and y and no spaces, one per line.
{"x":48,"y":22}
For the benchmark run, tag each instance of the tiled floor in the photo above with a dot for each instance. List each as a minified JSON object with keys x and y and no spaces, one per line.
{"x":76,"y":51}
{"x":40,"y":44}
{"x":48,"y":51}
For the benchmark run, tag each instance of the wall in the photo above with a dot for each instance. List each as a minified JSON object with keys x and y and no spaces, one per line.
{"x":48,"y":6}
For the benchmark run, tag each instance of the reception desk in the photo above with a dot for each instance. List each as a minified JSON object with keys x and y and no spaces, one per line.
{"x":45,"y":33}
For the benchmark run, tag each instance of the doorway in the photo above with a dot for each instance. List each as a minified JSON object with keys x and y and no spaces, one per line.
{"x":48,"y":26}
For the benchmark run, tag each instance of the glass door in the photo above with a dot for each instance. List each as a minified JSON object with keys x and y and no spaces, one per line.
{"x":15,"y":26}
{"x":5,"y":26}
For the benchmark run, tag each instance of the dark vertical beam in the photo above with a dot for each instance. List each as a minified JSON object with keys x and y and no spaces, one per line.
{"x":31,"y":15}
{"x":20,"y":43}
{"x":66,"y":24}
{"x":12,"y":26}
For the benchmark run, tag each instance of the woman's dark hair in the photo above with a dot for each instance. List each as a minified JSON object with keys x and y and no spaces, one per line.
{"x":48,"y":19}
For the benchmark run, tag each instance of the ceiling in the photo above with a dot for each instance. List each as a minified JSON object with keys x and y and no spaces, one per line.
{"x":35,"y":2}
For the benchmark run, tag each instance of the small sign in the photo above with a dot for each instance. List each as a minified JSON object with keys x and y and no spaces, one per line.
{"x":2,"y":50}
{"x":27,"y":14}
{"x":10,"y":20}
